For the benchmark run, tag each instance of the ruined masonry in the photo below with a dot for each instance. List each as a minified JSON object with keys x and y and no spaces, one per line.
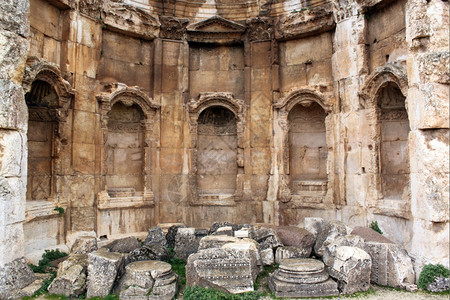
{"x":119,"y":115}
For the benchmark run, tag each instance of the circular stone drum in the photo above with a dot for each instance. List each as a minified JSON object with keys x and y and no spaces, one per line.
{"x":301,"y":270}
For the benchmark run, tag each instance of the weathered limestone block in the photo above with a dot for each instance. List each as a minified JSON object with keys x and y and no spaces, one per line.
{"x":266,"y":237}
{"x":148,"y":279}
{"x":329,"y":232}
{"x":171,"y":235}
{"x":102,"y":271}
{"x":148,"y":252}
{"x":84,"y":245}
{"x":246,"y":244}
{"x":186,"y":243}
{"x":267,"y":256}
{"x":341,"y":240}
{"x":125,"y":245}
{"x":226,"y":230}
{"x":302,"y":277}
{"x":13,"y":277}
{"x":295,"y":236}
{"x":351,"y":267}
{"x":391,"y":265}
{"x":290,"y":252}
{"x":73,"y":260}
{"x":216,"y":225}
{"x":215,"y":241}
{"x":71,"y":283}
{"x":314,"y":225}
{"x":228,"y":269}
{"x":13,"y":110}
{"x":156,"y":236}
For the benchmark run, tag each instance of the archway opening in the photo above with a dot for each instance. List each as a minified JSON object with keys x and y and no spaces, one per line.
{"x":125,"y":151}
{"x":307,"y":148}
{"x":394,"y":130}
{"x":42,"y":102}
{"x":217,"y":152}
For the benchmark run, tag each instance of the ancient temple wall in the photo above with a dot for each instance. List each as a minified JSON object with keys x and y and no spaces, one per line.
{"x":13,"y":129}
{"x":427,"y":36}
{"x":259,"y":69}
{"x":386,"y":34}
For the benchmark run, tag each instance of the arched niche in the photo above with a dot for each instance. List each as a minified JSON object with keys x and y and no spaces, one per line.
{"x":127,"y":119}
{"x":217,"y":123}
{"x":384,"y":98}
{"x":303,"y":179}
{"x":48,"y":97}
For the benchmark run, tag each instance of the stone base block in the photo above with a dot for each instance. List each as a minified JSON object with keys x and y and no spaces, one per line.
{"x":285,"y":289}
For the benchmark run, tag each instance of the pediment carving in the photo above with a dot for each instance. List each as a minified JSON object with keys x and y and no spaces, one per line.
{"x":216,"y":30}
{"x":216,"y":24}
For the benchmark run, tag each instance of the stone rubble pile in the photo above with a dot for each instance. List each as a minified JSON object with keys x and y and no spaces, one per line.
{"x":229,"y":257}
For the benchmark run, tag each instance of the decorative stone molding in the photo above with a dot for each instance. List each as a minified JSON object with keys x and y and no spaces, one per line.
{"x":259,"y":29}
{"x":304,"y":23}
{"x":239,"y":109}
{"x":391,"y":73}
{"x":39,"y":69}
{"x":128,"y":96}
{"x":130,"y":20}
{"x":173,"y":28}
{"x":369,"y":96}
{"x":312,"y":196}
{"x":216,"y":30}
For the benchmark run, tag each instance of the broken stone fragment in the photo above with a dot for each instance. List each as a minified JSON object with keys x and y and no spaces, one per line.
{"x":225,"y":230}
{"x":228,"y":269}
{"x":125,"y":245}
{"x":186,"y":243}
{"x":265,"y":237}
{"x":290,"y":252}
{"x":296,"y":236}
{"x":391,"y":265}
{"x":171,"y":234}
{"x":215,"y":241}
{"x":329,"y":232}
{"x":156,"y":236}
{"x":148,"y":252}
{"x":267,"y":256}
{"x":147,"y":280}
{"x":13,"y":277}
{"x":351,"y":267}
{"x":341,"y":240}
{"x":71,"y":283}
{"x":84,"y":245}
{"x":314,"y":225}
{"x":102,"y":271}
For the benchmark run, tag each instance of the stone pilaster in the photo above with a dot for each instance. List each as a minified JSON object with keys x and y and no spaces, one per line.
{"x":427,"y":35}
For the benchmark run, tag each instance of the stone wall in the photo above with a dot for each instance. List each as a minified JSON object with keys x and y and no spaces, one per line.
{"x":14,"y":46}
{"x":200,"y":111}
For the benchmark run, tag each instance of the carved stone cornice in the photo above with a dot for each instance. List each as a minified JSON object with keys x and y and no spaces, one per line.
{"x":216,"y":30}
{"x":304,"y":23}
{"x":173,"y":28}
{"x":259,"y":29}
{"x":129,"y":19}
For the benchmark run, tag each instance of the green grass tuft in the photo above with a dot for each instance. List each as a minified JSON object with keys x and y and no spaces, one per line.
{"x":374,"y":226}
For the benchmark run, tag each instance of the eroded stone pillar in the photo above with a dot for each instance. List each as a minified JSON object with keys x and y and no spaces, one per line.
{"x":14,"y":22}
{"x":427,"y":35}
